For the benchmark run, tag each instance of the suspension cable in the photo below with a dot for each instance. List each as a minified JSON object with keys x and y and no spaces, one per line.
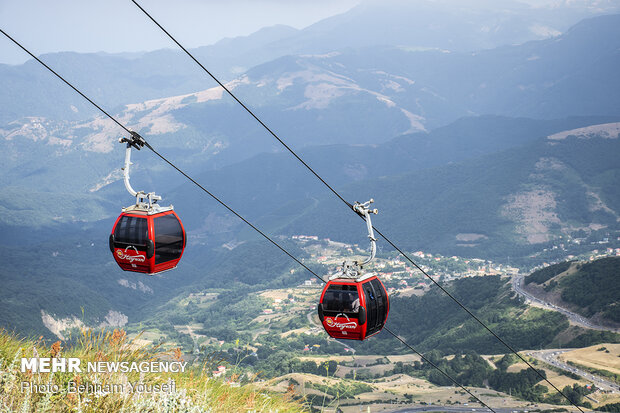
{"x":477,"y":319}
{"x":397,"y":337}
{"x":165,"y":160}
{"x":63,"y":79}
{"x":230,"y":209}
{"x":242,"y":105}
{"x":344,"y":200}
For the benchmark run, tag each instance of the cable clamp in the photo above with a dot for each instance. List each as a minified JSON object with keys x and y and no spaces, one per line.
{"x":135,"y":140}
{"x":363,"y":208}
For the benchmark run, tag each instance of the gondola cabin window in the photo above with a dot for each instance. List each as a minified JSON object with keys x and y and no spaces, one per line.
{"x":131,"y":230}
{"x":168,"y":238}
{"x":342,"y":298}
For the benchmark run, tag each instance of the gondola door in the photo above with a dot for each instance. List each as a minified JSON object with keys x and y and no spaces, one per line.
{"x":377,"y":305}
{"x":130,"y":243}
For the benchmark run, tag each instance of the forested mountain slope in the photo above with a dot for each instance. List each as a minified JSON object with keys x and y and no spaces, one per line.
{"x":589,"y":288}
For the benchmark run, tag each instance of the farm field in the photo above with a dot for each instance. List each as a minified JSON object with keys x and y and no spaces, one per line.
{"x":600,"y":357}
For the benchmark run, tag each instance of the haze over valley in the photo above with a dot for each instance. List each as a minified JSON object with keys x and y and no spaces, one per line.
{"x":487,"y":134}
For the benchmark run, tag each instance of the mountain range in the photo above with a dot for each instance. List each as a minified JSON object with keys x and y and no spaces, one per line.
{"x":494,"y":153}
{"x":356,"y":97}
{"x":121,"y":79}
{"x":526,"y":193}
{"x":503,"y":204}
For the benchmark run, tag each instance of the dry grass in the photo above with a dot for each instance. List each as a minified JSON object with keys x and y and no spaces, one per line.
{"x":408,"y":292}
{"x":597,"y":359}
{"x":194,"y":390}
{"x":517,"y":367}
{"x":560,"y":381}
{"x":605,"y":398}
{"x":323,"y":358}
{"x":405,"y":358}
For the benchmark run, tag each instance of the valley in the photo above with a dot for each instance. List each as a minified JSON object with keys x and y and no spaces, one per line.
{"x":285,"y":344}
{"x":555,"y":286}
{"x":559,"y":358}
{"x":517,"y":283}
{"x":488,"y":136}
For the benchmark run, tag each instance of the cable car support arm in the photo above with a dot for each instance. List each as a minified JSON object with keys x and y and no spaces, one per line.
{"x":136,"y":141}
{"x":364,"y":211}
{"x":353,"y":269}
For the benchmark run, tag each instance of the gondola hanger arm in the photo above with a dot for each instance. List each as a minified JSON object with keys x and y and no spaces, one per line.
{"x":363,"y":209}
{"x":136,"y":141}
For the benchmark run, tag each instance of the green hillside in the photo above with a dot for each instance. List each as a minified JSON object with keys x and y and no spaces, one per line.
{"x":514,"y":203}
{"x":473,"y":208}
{"x":428,"y":322}
{"x":73,"y":278}
{"x":595,"y":288}
{"x":590,"y":288}
{"x":273,"y":179}
{"x":434,"y":321}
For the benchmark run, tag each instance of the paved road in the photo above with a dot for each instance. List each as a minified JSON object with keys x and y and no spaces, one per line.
{"x":551,"y":357}
{"x":317,"y":327}
{"x":310,"y":317}
{"x":462,"y":409}
{"x":517,"y":285}
{"x":447,"y":409}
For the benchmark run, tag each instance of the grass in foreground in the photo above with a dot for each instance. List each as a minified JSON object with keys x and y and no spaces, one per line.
{"x":191,"y":391}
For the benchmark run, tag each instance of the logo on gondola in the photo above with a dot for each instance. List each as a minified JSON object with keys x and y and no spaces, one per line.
{"x":349,"y":325}
{"x":123,"y":255}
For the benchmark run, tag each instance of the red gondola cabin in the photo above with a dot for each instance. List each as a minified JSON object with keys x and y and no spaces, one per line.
{"x":352,"y":309}
{"x":147,"y":242}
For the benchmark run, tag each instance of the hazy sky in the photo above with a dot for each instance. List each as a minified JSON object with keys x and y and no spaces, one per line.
{"x":45,"y":26}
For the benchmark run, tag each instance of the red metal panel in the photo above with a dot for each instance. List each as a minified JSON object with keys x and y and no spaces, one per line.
{"x":342,"y":326}
{"x":130,"y":258}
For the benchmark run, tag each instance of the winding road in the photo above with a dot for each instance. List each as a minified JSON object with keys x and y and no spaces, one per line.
{"x":462,"y":409}
{"x":517,"y":286}
{"x":551,"y":357}
{"x":431,"y":408}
